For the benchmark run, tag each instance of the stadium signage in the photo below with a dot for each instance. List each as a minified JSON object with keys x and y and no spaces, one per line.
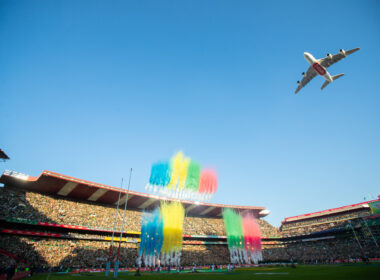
{"x":375,"y":207}
{"x":317,"y":238}
{"x":36,"y":233}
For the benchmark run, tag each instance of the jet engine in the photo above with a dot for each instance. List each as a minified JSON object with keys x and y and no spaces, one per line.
{"x":329,"y":55}
{"x":304,"y":74}
{"x":342,"y":52}
{"x":298,"y":82}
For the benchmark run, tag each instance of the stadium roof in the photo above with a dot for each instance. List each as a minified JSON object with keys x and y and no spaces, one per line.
{"x":3,"y":155}
{"x":57,"y":184}
{"x":339,"y":210}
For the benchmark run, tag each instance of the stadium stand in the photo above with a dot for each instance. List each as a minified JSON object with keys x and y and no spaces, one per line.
{"x":31,"y":207}
{"x":339,"y":234}
{"x":333,"y":248}
{"x":58,"y":222}
{"x":323,"y":220}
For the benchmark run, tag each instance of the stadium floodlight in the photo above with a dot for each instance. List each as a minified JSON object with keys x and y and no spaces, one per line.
{"x":264,"y":212}
{"x":16,"y":175}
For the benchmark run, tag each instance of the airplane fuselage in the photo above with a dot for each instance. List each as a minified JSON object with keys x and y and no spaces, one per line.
{"x":317,"y":67}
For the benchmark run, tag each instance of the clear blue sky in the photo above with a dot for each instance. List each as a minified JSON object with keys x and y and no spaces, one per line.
{"x":92,"y":88}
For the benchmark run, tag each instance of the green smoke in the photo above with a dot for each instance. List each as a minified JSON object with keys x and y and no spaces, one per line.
{"x":193,"y":174}
{"x":234,"y":229}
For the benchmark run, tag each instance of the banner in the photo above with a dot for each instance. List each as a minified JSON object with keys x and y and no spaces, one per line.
{"x":375,"y":207}
{"x":117,"y":239}
{"x":317,"y":238}
{"x":24,"y":232}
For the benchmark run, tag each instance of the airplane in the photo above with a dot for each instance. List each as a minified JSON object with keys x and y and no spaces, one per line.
{"x":318,"y":66}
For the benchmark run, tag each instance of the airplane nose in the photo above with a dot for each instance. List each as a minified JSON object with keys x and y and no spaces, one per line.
{"x":309,"y":58}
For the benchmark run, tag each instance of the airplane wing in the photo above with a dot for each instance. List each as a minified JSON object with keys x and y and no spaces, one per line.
{"x":310,"y":74}
{"x":328,"y":61}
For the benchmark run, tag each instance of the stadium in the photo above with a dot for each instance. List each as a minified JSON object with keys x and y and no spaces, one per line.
{"x":54,"y":222}
{"x":189,"y":139}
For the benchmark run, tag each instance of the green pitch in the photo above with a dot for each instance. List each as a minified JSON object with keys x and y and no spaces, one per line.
{"x":317,"y":272}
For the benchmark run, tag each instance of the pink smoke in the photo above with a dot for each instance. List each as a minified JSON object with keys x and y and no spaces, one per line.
{"x":252,"y":233}
{"x":208,"y":182}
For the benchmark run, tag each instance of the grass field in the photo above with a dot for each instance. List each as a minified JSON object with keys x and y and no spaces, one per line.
{"x":320,"y":272}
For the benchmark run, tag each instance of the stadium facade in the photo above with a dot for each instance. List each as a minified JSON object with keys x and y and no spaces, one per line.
{"x":58,"y":221}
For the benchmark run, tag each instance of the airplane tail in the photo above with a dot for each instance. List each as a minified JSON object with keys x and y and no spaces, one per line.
{"x":334,"y":78}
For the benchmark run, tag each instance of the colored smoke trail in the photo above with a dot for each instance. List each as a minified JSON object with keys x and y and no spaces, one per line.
{"x":182,"y":178}
{"x":151,"y":237}
{"x":208,"y":182}
{"x":176,"y":169}
{"x":161,"y":235}
{"x":193,"y":176}
{"x":160,"y":174}
{"x":233,"y":225}
{"x":252,"y":238}
{"x":173,"y":215}
{"x":243,"y":236}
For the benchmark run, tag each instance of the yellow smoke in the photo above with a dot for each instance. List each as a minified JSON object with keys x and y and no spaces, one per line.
{"x":179,"y":165}
{"x":173,"y":215}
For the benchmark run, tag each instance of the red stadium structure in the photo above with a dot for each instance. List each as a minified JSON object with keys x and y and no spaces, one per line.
{"x":61,"y":185}
{"x":331,"y":212}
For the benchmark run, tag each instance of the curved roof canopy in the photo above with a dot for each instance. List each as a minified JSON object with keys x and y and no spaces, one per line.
{"x":61,"y":185}
{"x":328,"y":212}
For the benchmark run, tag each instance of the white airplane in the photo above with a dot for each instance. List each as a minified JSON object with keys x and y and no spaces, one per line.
{"x":318,"y":66}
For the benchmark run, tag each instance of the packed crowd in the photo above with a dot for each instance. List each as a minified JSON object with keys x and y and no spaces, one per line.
{"x":267,"y":230}
{"x":88,"y":250}
{"x":202,"y":254}
{"x":322,"y":251}
{"x":30,"y":206}
{"x":64,"y":253}
{"x":203,"y":226}
{"x":320,"y":224}
{"x":38,"y":207}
